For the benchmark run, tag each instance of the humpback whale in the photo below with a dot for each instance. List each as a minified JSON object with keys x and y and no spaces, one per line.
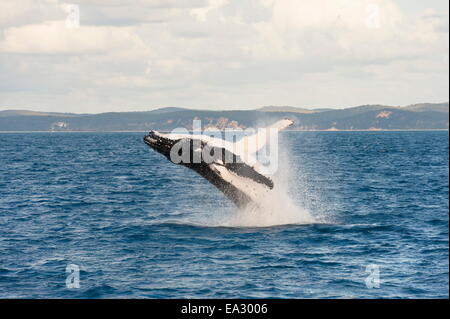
{"x":232,"y":167}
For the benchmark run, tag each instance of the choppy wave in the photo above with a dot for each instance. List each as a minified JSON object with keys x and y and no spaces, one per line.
{"x":141,"y":227}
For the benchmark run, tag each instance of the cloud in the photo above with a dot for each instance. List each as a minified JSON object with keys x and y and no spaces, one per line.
{"x":15,"y":13}
{"x":222,"y":52}
{"x":146,"y":3}
{"x":342,"y":30}
{"x":56,"y":38}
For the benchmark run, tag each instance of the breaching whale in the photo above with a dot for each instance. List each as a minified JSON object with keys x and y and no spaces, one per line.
{"x":239,"y":179}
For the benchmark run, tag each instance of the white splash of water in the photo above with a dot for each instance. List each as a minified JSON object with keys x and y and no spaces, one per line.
{"x":278,"y":208}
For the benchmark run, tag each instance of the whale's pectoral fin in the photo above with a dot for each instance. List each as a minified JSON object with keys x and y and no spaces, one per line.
{"x":252,"y":143}
{"x":246,"y":171}
{"x":246,"y":188}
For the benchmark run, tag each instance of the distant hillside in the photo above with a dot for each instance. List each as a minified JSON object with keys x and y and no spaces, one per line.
{"x":438,"y":107}
{"x":292,"y":109}
{"x":167,"y":110}
{"x":364,"y":117}
{"x":8,"y":113}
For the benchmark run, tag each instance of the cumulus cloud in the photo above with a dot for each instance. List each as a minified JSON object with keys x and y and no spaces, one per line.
{"x":57,"y":38}
{"x":212,"y":53}
{"x":14,"y":13}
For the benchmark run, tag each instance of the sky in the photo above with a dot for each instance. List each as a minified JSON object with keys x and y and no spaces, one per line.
{"x":115,"y":55}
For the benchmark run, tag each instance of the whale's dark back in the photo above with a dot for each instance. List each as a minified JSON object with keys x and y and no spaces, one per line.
{"x":228,"y":160}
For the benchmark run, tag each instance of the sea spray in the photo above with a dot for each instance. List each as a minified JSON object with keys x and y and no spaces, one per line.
{"x":281,"y":206}
{"x":276,"y":209}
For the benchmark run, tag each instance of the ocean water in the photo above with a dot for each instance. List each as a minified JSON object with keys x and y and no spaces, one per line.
{"x":355,"y":207}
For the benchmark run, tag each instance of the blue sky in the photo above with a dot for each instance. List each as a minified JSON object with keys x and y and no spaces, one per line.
{"x":221,"y":54}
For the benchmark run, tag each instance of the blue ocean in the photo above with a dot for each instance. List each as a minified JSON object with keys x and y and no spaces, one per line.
{"x":363,"y":215}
